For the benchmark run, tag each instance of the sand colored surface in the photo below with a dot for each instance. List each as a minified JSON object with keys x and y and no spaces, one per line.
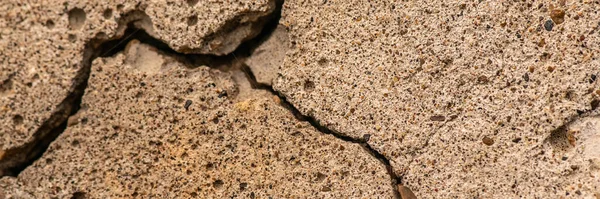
{"x":299,"y":99}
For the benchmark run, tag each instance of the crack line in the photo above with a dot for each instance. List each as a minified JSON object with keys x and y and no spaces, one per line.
{"x":230,"y":62}
{"x":395,"y":180}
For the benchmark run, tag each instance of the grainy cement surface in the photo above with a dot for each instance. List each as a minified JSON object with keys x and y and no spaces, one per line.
{"x":460,"y":96}
{"x":151,"y":127}
{"x":466,"y":99}
{"x":43,"y":58}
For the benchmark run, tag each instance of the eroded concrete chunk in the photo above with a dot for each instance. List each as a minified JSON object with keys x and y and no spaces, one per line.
{"x":167,"y":131}
{"x":47,"y":47}
{"x":267,"y":59}
{"x":460,"y":96}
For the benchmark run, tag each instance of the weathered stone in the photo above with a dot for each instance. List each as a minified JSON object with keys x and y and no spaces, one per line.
{"x":394,"y":69}
{"x":140,"y":141}
{"x":481,"y":99}
{"x":45,"y":58}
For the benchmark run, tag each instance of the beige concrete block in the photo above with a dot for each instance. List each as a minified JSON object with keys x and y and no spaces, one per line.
{"x":46,"y":52}
{"x":169,"y":133}
{"x":459,"y":96}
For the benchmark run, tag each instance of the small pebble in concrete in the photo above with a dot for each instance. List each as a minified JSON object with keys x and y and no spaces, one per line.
{"x":188,"y":103}
{"x":557,"y":16}
{"x":488,"y":141}
{"x":548,"y":25}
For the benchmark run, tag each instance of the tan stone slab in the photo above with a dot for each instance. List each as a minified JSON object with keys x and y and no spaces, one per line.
{"x":164,"y":130}
{"x":42,"y":44}
{"x":442,"y":88}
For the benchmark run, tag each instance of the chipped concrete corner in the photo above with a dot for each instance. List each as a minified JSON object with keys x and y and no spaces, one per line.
{"x":299,"y":99}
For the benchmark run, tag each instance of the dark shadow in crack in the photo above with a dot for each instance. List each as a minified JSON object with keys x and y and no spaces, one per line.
{"x":395,"y":180}
{"x":19,"y":158}
{"x":230,"y":62}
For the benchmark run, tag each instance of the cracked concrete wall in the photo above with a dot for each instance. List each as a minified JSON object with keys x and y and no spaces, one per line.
{"x":168,"y":132}
{"x":459,"y":96}
{"x":44,"y":58}
{"x":455,"y":99}
{"x":267,"y":59}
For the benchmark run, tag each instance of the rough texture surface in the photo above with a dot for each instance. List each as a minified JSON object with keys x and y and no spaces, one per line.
{"x":460,"y":96}
{"x":267,"y":59}
{"x":43,"y":57}
{"x":456,"y":99}
{"x":137,"y":135}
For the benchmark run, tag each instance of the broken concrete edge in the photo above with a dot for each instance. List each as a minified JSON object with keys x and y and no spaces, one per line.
{"x":397,"y":171}
{"x":103,"y":47}
{"x":561,"y":131}
{"x":222,"y":41}
{"x":252,"y":21}
{"x":394,"y":179}
{"x":15,"y":160}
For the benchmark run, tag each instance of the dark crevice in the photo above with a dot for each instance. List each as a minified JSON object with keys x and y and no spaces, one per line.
{"x":395,"y":180}
{"x":21,"y":157}
{"x":231,"y":62}
{"x":79,"y":195}
{"x":17,"y":159}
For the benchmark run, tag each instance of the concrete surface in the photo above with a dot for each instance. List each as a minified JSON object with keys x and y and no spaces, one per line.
{"x":267,"y":59}
{"x":45,"y":57}
{"x":165,"y":131}
{"x":458,"y":99}
{"x":460,"y":96}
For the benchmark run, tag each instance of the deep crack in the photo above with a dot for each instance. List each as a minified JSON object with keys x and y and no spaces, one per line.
{"x":395,"y":180}
{"x":234,"y":61}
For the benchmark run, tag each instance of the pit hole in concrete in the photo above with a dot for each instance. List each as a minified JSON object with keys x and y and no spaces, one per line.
{"x":192,"y":20}
{"x":108,"y":13}
{"x":595,"y":104}
{"x":6,"y":85}
{"x":72,"y":37}
{"x":320,"y":177}
{"x":326,"y":189}
{"x":209,"y":166}
{"x":309,"y":86}
{"x":322,"y":61}
{"x":49,"y":24}
{"x":75,"y":143}
{"x":17,"y":120}
{"x":77,"y":17}
{"x":243,"y":186}
{"x":79,"y":195}
{"x":191,"y":2}
{"x":218,"y":184}
{"x":561,"y":140}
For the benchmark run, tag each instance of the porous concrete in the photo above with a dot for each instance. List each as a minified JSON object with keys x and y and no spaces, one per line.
{"x":475,"y":99}
{"x":460,"y":96}
{"x":266,"y":60}
{"x":44,"y":53}
{"x":166,"y":130}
